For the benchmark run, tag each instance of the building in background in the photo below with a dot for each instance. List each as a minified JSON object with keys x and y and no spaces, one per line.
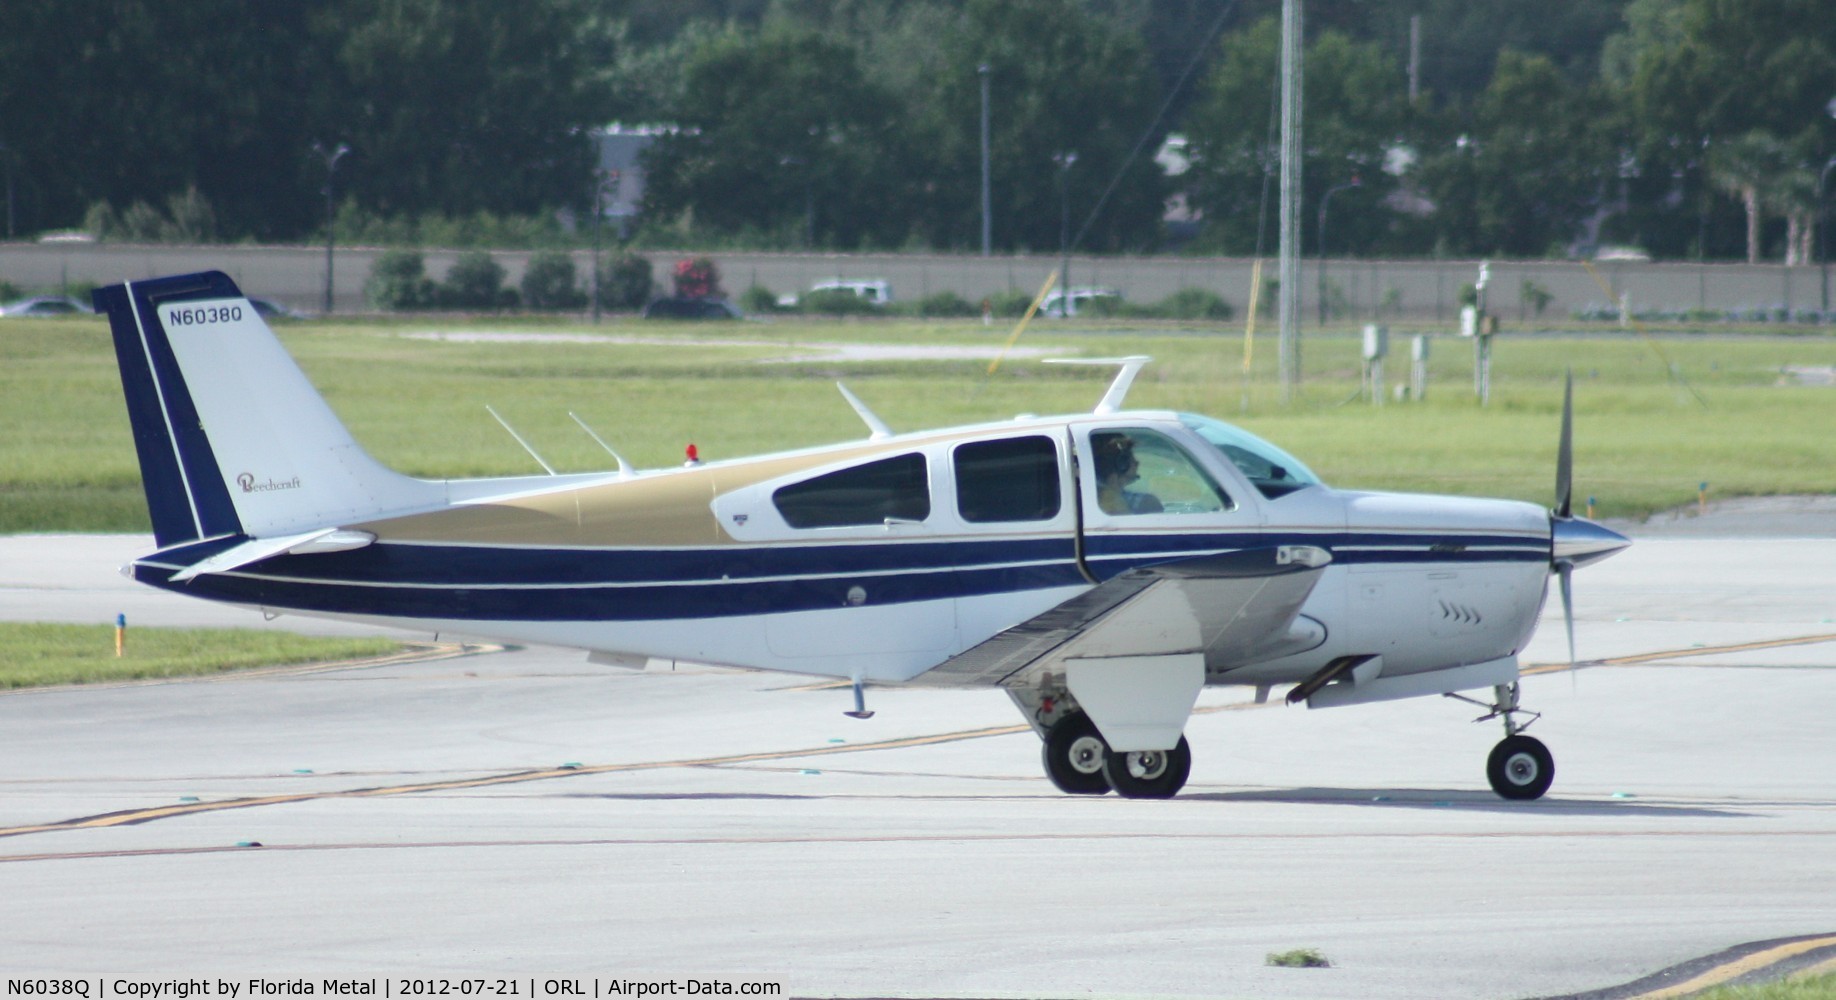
{"x":621,"y":164}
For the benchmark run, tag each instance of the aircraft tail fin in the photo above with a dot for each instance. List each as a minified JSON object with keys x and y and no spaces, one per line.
{"x":232,"y":438}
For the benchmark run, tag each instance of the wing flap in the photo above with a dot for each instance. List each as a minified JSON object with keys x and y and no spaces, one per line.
{"x":1235,"y":608}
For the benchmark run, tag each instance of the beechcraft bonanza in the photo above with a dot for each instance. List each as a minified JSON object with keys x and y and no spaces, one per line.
{"x":1100,"y":568}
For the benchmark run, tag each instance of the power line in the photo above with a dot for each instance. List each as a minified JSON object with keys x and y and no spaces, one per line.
{"x":1198,"y":55}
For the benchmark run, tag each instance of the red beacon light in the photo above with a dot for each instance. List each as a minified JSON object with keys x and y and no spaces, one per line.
{"x":693,"y":456}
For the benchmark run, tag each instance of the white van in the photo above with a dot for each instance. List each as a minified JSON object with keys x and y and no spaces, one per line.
{"x":874,"y":290}
{"x":1081,"y":296}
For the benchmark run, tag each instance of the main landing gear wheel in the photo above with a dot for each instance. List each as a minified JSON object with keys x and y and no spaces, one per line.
{"x":1074,"y":753}
{"x":1149,"y":774}
{"x":1520,"y":767}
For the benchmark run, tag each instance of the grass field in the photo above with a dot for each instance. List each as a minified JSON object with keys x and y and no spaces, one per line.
{"x":1817,"y":987}
{"x":40,"y":654}
{"x":1642,"y":442}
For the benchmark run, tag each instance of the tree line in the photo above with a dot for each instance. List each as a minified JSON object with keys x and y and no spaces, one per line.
{"x":1692,"y":128}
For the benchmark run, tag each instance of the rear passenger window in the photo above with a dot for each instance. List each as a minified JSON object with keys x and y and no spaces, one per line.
{"x":1014,"y":479}
{"x":893,"y":488}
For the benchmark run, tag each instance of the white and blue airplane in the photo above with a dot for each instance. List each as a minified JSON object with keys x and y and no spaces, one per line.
{"x":1100,"y":568}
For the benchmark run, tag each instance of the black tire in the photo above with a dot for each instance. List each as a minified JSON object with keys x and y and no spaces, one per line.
{"x":1149,"y":774}
{"x":1520,"y":767}
{"x":1074,"y":753}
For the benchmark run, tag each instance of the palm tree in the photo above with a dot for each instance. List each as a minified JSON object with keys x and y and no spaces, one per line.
{"x":1794,"y":194}
{"x":1749,"y":167}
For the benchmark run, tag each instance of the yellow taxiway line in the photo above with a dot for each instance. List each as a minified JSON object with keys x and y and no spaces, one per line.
{"x":132,"y":816}
{"x":1742,"y":966}
{"x":1676,"y":654}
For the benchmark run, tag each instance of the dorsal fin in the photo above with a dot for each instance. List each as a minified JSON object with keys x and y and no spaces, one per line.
{"x":1118,"y":388}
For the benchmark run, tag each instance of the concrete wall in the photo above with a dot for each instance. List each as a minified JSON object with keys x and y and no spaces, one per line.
{"x":1419,"y":292}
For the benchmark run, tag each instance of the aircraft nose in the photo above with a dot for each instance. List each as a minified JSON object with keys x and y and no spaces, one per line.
{"x":1579,"y":541}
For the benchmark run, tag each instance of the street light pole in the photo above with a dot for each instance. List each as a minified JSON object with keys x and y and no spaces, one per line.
{"x":987,"y":199}
{"x":599,"y":211}
{"x":1324,"y":200}
{"x":331,"y":157}
{"x":7,"y":153}
{"x":809,"y":197}
{"x":1291,"y":219}
{"x":1064,"y":161}
{"x":1823,"y":218}
{"x":1823,"y":235}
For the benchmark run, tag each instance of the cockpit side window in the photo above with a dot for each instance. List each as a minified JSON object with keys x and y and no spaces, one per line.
{"x":1142,"y":471}
{"x":1012,"y":479}
{"x":889,"y":489}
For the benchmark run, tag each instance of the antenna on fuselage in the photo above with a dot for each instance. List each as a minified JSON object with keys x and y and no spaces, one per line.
{"x":519,"y":440}
{"x":876,"y":428}
{"x":1118,"y":389}
{"x":624,"y":467}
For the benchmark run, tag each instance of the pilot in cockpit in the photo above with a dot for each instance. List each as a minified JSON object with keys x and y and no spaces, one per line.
{"x":1116,"y":469}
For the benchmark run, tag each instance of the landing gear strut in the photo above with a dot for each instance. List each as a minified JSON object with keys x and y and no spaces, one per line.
{"x":1520,"y":767}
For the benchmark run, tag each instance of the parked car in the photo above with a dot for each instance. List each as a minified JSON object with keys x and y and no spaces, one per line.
{"x":1081,"y":299}
{"x":874,"y":290}
{"x":1636,"y":255}
{"x":270,"y":309}
{"x":692,"y":309}
{"x":47,"y":305}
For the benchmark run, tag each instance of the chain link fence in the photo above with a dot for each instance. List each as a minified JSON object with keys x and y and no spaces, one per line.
{"x":1416,"y":293}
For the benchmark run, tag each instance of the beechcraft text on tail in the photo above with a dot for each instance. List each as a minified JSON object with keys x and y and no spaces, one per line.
{"x":1100,"y":568}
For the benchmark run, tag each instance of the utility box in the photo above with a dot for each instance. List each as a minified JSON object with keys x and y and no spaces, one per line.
{"x":1376,"y":345}
{"x":1418,"y":368}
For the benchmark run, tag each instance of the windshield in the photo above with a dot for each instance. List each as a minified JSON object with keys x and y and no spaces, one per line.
{"x":1271,"y":470}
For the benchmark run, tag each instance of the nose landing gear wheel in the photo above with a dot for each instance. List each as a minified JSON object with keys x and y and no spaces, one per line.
{"x":1074,"y":753}
{"x":1149,"y":774}
{"x":1520,"y":767}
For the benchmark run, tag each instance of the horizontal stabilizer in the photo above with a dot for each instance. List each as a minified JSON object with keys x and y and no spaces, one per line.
{"x":256,"y":549}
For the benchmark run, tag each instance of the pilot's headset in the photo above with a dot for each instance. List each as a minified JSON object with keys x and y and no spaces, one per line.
{"x":1113,"y":452}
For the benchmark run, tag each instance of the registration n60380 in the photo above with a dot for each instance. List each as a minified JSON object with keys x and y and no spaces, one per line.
{"x":200,"y":315}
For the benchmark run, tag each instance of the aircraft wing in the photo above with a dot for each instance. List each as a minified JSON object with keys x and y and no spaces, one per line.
{"x":1235,"y":607}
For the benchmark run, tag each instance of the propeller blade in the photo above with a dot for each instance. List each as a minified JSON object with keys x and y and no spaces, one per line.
{"x":1565,"y":452}
{"x":1565,"y":570}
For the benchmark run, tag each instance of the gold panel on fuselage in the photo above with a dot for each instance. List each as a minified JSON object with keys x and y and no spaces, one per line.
{"x":663,"y":509}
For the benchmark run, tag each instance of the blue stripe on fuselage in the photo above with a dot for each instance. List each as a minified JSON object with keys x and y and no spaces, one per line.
{"x":533,"y":584}
{"x":1110,"y":555}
